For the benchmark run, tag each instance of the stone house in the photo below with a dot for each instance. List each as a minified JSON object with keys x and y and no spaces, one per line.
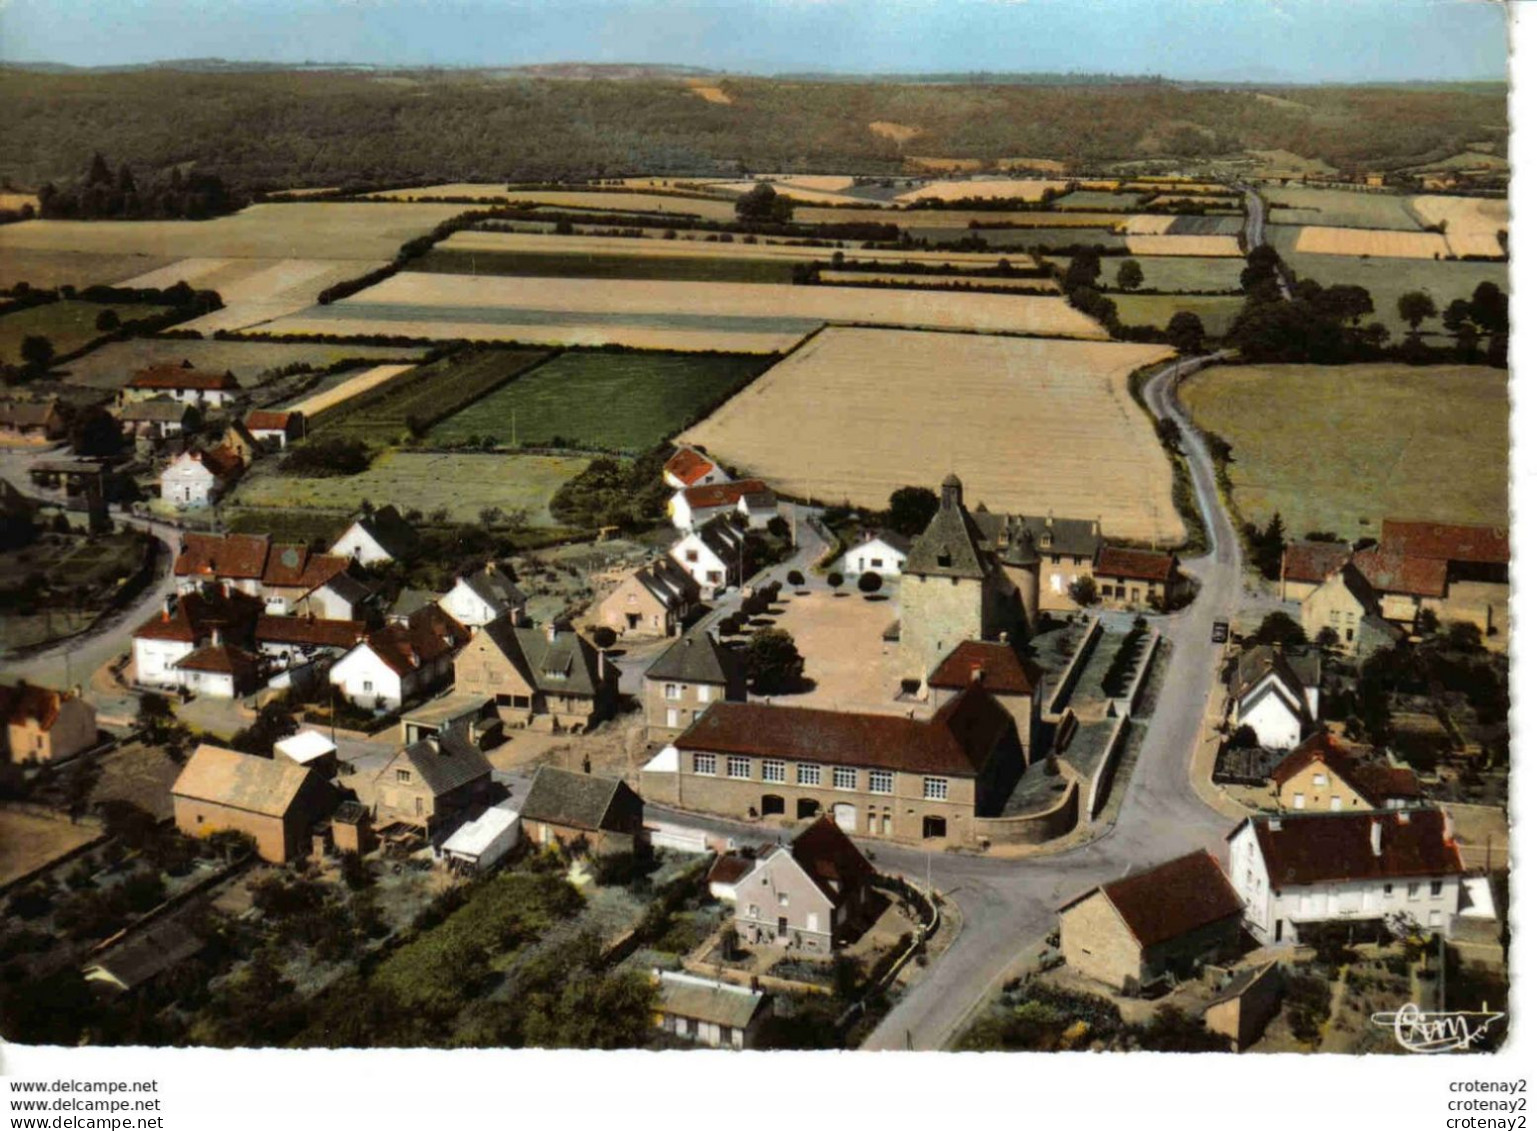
{"x":655,"y":600}
{"x":713,"y":555}
{"x":1275,"y":693}
{"x":881,"y":552}
{"x":684,"y":680}
{"x":1000,"y":670}
{"x":484,"y":595}
{"x":383,"y":536}
{"x":548,"y":677}
{"x":958,"y":585}
{"x":882,"y":775}
{"x":44,"y":725}
{"x":158,"y":419}
{"x":275,"y":800}
{"x":688,"y":467}
{"x":199,"y":478}
{"x":1345,"y":603}
{"x":1065,"y":549}
{"x":811,"y":896}
{"x":1306,"y":868}
{"x":1128,"y":578}
{"x":567,"y":808}
{"x":1321,"y":775}
{"x":1245,"y":1004}
{"x":718,"y":1015}
{"x":1165,"y":922}
{"x":433,"y":784}
{"x":182,"y":383}
{"x":1307,"y":565}
{"x":31,"y":421}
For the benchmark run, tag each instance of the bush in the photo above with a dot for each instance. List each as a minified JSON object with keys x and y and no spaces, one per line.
{"x":604,"y":637}
{"x":834,"y":579}
{"x":869,"y":581}
{"x":796,"y":578}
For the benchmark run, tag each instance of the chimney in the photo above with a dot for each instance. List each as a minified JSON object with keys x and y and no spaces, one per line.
{"x":490,"y":568}
{"x":1447,"y":828}
{"x":977,"y":673}
{"x":602,"y":665}
{"x":1403,"y":816}
{"x":218,"y":636}
{"x":1003,"y":637}
{"x":1376,"y":837}
{"x":549,"y":632}
{"x":170,"y":606}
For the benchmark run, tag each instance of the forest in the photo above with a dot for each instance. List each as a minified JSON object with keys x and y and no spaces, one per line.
{"x":266,"y":130}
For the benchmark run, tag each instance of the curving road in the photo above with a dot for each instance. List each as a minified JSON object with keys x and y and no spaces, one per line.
{"x":1008,"y":905}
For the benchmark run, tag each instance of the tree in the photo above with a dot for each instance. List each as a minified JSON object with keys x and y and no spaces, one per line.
{"x":1279,"y":628}
{"x":107,"y":321}
{"x":604,"y":637}
{"x":1268,"y":546}
{"x":1327,"y":638}
{"x":1083,"y":591}
{"x":1414,"y":307}
{"x":1129,"y":276}
{"x":1490,"y":308}
{"x":37,"y":351}
{"x":869,"y":581}
{"x":834,"y":580}
{"x":796,"y":578}
{"x":1186,"y":332}
{"x":1346,"y":303}
{"x":95,"y":432}
{"x":910,"y":509}
{"x":764,"y":205}
{"x":1244,"y":738}
{"x":1083,"y":271}
{"x":774,"y":664}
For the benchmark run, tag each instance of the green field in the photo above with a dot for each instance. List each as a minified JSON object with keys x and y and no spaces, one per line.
{"x":113,"y":364}
{"x":1171,"y":272}
{"x":427,"y":395}
{"x":1048,"y":238}
{"x":702,"y":269}
{"x":1341,"y":447}
{"x":1090,"y":200}
{"x":1339,"y":208}
{"x":624,"y":402}
{"x":1215,"y":311}
{"x":68,"y":325}
{"x":1206,"y":226}
{"x":464,"y":483}
{"x":1387,"y":279}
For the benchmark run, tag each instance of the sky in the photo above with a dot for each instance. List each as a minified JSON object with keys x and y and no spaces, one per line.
{"x":1221,"y":40}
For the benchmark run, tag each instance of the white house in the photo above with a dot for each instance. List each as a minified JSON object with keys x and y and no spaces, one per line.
{"x":480,"y":844}
{"x":197,"y":479}
{"x":274,"y":429}
{"x":219,"y":670}
{"x":382,"y":536}
{"x":691,"y":468}
{"x":758,"y":508}
{"x":400,"y":661}
{"x":692,"y":507}
{"x":1275,"y":693}
{"x":484,"y":596}
{"x":1305,"y":868}
{"x":191,"y":623}
{"x":707,"y":1012}
{"x":880,"y":551}
{"x":182,"y":383}
{"x":712,"y":555}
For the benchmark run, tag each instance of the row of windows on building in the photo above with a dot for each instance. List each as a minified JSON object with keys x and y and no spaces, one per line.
{"x":739,"y":767}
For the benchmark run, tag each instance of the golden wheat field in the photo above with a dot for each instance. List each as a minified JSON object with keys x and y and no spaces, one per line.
{"x":1000,"y":189}
{"x":1184,"y":245}
{"x":1372,"y":242}
{"x":17,"y":200}
{"x":1030,"y":425}
{"x":940,"y":282}
{"x":1031,"y":164}
{"x":801,"y":193}
{"x":1148,"y":225}
{"x":544,"y":309}
{"x":313,"y":406}
{"x":710,"y":93}
{"x":254,"y":290}
{"x":1472,"y":224}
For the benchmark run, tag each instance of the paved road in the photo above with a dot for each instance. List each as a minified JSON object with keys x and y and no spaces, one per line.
{"x":1254,"y":231}
{"x":1008,"y":905}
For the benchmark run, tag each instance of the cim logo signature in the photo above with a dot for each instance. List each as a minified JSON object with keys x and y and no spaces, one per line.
{"x":1419,"y":1031}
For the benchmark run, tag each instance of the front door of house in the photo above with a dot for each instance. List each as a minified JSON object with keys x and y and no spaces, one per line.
{"x":783,"y":928}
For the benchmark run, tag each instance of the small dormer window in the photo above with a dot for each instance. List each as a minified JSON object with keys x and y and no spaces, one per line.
{"x":944,"y":557}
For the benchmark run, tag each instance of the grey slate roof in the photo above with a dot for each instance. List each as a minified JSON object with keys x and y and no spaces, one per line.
{"x":568,"y":665}
{"x":153,"y":951}
{"x":1297,"y":669}
{"x":494,"y":588}
{"x":951,"y":545}
{"x":718,"y":1003}
{"x":724,"y":536}
{"x":412,"y":601}
{"x":696,"y":658}
{"x":1074,"y":537}
{"x":158,"y":410}
{"x":448,"y":761}
{"x":561,"y":797}
{"x":348,"y":588}
{"x":667,"y":581}
{"x":392,"y":532}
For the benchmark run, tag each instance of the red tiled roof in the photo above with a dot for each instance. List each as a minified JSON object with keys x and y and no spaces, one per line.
{"x":28,"y":703}
{"x":428,"y":636}
{"x":1002,"y":670}
{"x":294,"y":567}
{"x":1313,"y":561}
{"x":309,"y":630}
{"x":1141,"y":565}
{"x":221,"y":462}
{"x":198,"y":614}
{"x":266,"y":420}
{"x":828,"y":856}
{"x":176,"y":377}
{"x":1486,"y":544}
{"x":956,"y":741}
{"x":722,"y":494}
{"x":222,"y":659}
{"x":1173,"y":899}
{"x":1396,"y":573}
{"x":1313,"y":848}
{"x":228,"y":555}
{"x":1376,"y":782}
{"x":730,"y":868}
{"x":688,"y":466}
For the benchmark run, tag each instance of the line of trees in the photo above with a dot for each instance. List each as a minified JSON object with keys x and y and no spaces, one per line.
{"x":103,"y":195}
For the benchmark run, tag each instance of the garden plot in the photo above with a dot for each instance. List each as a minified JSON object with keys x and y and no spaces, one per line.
{"x":856,"y":413}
